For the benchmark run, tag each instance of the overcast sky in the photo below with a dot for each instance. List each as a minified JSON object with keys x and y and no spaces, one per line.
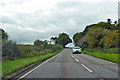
{"x":28,"y":20}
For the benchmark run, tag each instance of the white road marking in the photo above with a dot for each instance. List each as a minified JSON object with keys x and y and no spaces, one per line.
{"x":69,"y":52}
{"x":105,"y":61}
{"x":86,"y":68}
{"x":81,"y":64}
{"x":36,"y":67}
{"x":76,"y":60}
{"x":110,"y":62}
{"x":73,"y":57}
{"x":100,"y":59}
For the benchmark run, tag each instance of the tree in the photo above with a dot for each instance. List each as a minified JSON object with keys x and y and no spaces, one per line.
{"x":109,"y":21}
{"x":115,"y":22}
{"x":77,"y":36}
{"x":45,"y":43}
{"x":4,"y":34}
{"x":117,"y":27}
{"x":119,"y":21}
{"x":54,"y":40}
{"x":38,"y":42}
{"x":10,"y":48}
{"x":63,"y":39}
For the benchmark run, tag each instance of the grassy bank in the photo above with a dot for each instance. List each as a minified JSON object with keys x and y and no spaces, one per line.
{"x":110,"y":57}
{"x":9,"y":67}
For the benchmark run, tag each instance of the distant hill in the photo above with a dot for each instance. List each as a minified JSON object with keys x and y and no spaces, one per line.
{"x":101,"y":35}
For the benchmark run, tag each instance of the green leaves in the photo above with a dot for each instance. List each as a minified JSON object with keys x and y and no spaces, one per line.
{"x":9,"y":47}
{"x":101,"y":35}
{"x":63,"y":39}
{"x":3,"y":34}
{"x":11,"y":50}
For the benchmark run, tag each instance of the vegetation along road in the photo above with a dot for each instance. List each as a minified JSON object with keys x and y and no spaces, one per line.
{"x":68,"y":65}
{"x":99,"y":40}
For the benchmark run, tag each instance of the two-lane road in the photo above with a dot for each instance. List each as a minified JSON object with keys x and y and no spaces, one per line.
{"x":68,"y":65}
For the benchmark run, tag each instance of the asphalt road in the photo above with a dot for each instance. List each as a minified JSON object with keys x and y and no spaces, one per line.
{"x":68,"y":65}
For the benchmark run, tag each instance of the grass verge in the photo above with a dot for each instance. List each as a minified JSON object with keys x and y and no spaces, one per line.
{"x":9,"y":67}
{"x":109,"y":57}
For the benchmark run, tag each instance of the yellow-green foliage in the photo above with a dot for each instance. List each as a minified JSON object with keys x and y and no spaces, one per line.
{"x":37,"y":50}
{"x":100,"y":37}
{"x":111,"y":38}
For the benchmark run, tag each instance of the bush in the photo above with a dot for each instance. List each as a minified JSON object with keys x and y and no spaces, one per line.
{"x":10,"y":50}
{"x":105,"y":51}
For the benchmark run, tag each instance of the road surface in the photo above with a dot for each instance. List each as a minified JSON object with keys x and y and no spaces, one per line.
{"x":68,"y":65}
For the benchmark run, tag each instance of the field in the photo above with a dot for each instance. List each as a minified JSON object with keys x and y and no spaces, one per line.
{"x":9,"y":67}
{"x":110,"y":57}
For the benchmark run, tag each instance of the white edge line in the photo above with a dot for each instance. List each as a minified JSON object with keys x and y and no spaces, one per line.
{"x":37,"y":67}
{"x":106,"y":61}
{"x":86,"y":68}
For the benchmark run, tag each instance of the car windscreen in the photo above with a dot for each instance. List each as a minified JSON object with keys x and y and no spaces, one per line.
{"x":76,"y":48}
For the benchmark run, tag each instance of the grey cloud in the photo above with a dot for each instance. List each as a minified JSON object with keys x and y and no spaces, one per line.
{"x":23,"y":36}
{"x":68,"y":4}
{"x":2,"y":4}
{"x":119,"y":9}
{"x":17,"y":2}
{"x":8,"y":20}
{"x":58,"y":20}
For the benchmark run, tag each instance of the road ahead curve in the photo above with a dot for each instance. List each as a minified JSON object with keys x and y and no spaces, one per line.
{"x":68,"y":65}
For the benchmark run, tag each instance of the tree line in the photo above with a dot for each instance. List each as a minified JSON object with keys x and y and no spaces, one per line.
{"x":11,"y":50}
{"x":101,"y":35}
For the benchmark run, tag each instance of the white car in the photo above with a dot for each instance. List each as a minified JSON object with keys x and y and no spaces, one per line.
{"x":76,"y":49}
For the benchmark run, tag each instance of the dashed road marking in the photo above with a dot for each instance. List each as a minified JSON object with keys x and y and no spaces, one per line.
{"x":86,"y":68}
{"x":74,"y":57}
{"x":76,"y":60}
{"x":81,"y":64}
{"x":84,"y":65}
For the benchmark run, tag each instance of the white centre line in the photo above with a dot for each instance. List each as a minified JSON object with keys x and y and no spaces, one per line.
{"x":37,"y":67}
{"x":81,"y":64}
{"x":86,"y":68}
{"x":76,"y":60}
{"x":73,"y":57}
